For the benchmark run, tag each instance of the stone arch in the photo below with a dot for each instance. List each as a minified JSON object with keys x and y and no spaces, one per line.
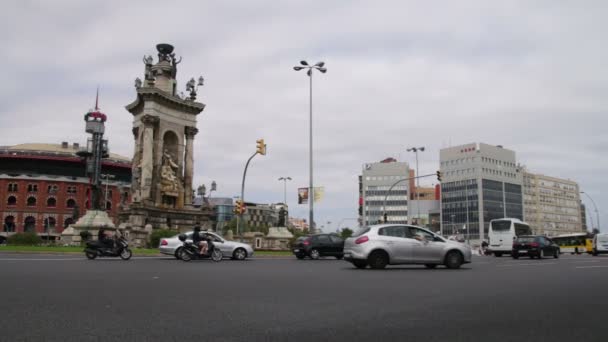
{"x":51,"y":202}
{"x":29,"y":224}
{"x":68,"y":221}
{"x":31,"y":201}
{"x":12,"y":200}
{"x":171,"y":144}
{"x":71,"y":203}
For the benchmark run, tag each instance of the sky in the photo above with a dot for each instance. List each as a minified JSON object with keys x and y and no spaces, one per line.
{"x":528,"y":75}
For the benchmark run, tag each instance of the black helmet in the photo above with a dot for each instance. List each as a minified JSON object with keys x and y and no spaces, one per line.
{"x":197,"y":228}
{"x":182,"y":237}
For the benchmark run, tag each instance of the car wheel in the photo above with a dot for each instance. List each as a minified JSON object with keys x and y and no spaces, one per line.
{"x":300,"y":256}
{"x":178,"y":252}
{"x":216,"y":255}
{"x":430,"y":265}
{"x":378,"y":260}
{"x":360,"y":264}
{"x":91,"y":255}
{"x":239,"y":254}
{"x":185,"y":255}
{"x":453,"y":260}
{"x":515,"y":255}
{"x":314,"y":254}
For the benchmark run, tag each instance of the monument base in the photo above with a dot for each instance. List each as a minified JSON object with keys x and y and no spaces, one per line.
{"x":139,"y":220}
{"x":92,"y":221}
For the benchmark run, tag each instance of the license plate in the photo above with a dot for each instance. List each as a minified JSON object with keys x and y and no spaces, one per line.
{"x":296,"y":250}
{"x":523,"y":251}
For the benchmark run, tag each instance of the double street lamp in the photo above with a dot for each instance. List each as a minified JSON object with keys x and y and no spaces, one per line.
{"x":320,"y":66}
{"x":415,"y":150}
{"x":285,"y":179}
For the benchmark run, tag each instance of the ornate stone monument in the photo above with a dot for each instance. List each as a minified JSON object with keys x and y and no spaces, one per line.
{"x":164,"y":127}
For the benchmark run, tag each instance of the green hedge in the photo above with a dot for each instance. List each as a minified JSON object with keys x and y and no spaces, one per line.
{"x":24,"y":239}
{"x":158,"y":234}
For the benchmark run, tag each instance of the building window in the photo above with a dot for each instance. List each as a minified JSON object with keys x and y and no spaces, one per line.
{"x":51,"y":202}
{"x":12,"y":200}
{"x":9,"y":224}
{"x":12,"y":187}
{"x":71,"y":203}
{"x":31,"y":201}
{"x":32,"y":188}
{"x":52,"y":189}
{"x":108,"y":205}
{"x":29,"y":225}
{"x":71,"y":190}
{"x":49,"y":223}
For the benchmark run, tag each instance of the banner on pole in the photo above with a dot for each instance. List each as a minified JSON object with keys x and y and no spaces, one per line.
{"x":302,"y":195}
{"x":319,"y":193}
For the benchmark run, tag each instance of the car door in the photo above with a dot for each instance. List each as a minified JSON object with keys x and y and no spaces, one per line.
{"x":324,"y":244}
{"x":219,"y":243}
{"x":426,"y":249}
{"x":337,"y":245}
{"x":399,"y":247}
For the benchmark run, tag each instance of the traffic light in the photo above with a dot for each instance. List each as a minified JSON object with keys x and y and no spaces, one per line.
{"x":260,"y":147}
{"x":239,"y":207}
{"x":439,"y":176}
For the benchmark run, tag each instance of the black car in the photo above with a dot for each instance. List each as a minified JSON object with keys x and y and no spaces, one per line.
{"x":319,"y":245}
{"x":534,"y":246}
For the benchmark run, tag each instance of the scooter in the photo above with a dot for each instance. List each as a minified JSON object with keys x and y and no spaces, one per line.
{"x":191,"y":251}
{"x":99,"y":249}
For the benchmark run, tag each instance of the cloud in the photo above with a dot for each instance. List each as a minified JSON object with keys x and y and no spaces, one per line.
{"x":529,"y":76}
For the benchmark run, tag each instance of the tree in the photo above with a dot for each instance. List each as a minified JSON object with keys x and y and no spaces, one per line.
{"x":346,"y":233}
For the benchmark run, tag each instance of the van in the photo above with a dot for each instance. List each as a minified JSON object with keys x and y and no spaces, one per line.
{"x":600,"y":244}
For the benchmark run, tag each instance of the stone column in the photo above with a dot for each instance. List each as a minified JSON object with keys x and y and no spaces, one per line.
{"x":189,"y":164}
{"x":147,"y":158}
{"x":135,"y":171}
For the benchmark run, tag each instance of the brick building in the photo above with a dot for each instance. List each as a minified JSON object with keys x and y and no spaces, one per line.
{"x":43,"y":187}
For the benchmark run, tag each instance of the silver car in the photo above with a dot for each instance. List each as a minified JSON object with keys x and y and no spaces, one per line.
{"x":394,"y":244}
{"x":230,"y":249}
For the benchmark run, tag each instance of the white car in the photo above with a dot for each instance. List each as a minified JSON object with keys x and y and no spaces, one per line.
{"x":230,"y":249}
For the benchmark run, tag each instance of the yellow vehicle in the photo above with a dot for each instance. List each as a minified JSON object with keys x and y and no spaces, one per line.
{"x":574,"y":243}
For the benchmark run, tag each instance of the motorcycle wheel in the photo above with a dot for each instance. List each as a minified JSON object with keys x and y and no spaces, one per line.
{"x":126,"y":254}
{"x":185,"y":255}
{"x":216,"y":255}
{"x":90,"y":255}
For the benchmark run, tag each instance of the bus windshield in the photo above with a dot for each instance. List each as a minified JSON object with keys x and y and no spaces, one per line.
{"x":501,"y":226}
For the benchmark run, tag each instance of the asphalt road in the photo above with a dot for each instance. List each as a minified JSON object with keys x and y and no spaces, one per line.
{"x":68,"y":298}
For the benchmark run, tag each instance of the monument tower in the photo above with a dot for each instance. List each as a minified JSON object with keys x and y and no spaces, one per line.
{"x":164,"y":127}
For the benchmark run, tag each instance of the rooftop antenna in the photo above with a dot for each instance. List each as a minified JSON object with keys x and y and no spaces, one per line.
{"x":97,"y":99}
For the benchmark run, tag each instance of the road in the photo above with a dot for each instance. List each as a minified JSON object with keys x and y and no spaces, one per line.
{"x":68,"y":298}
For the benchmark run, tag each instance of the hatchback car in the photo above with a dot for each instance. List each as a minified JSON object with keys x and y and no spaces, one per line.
{"x":534,"y":246}
{"x":393,"y":244}
{"x":230,"y":249}
{"x":318,"y":245}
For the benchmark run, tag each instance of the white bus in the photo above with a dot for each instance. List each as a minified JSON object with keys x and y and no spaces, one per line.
{"x":503,"y":231}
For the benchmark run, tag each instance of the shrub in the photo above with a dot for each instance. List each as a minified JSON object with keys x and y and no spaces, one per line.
{"x":85,"y":235}
{"x":158,"y":234}
{"x":24,"y":239}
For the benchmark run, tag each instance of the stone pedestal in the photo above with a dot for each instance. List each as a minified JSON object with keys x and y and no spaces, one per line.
{"x":92,"y":221}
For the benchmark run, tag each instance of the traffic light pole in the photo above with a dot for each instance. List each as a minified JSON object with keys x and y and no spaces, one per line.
{"x":391,"y":188}
{"x":238,"y":228}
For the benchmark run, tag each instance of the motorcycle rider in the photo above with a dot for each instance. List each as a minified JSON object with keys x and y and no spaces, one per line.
{"x":104,"y":240}
{"x":198,"y":240}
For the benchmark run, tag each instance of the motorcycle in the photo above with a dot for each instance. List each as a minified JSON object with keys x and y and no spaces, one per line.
{"x":191,"y":251}
{"x":120,"y":249}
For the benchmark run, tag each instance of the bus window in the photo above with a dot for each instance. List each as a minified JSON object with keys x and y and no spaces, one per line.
{"x":501,"y":226}
{"x":522,"y":229}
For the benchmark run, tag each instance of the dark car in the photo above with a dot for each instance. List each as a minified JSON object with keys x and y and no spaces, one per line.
{"x":534,"y":246}
{"x":319,"y":245}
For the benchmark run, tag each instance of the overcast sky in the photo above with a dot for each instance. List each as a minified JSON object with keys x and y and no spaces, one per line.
{"x":529,"y":75}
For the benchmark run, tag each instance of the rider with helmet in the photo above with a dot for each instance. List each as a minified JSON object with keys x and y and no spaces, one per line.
{"x":199,"y":240}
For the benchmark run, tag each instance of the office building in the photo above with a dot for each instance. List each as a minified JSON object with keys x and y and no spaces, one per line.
{"x":374,"y":185}
{"x":480,"y":182}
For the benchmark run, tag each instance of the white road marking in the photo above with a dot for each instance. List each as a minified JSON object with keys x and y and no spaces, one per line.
{"x":45,"y":259}
{"x":590,"y":266}
{"x":536,"y":264}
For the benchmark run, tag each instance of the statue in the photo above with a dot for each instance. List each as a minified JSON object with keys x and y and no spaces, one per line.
{"x":168,"y":174}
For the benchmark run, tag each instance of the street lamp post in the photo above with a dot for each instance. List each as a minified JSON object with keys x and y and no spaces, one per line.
{"x":597,"y":214}
{"x":415,"y":150}
{"x":311,"y":198}
{"x":107,"y":176}
{"x":285,"y":179}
